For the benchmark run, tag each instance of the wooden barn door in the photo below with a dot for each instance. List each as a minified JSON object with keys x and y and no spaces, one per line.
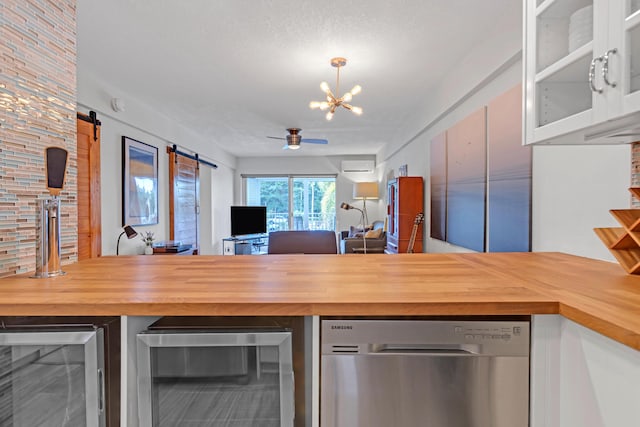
{"x":184,"y":200}
{"x":89,"y":218}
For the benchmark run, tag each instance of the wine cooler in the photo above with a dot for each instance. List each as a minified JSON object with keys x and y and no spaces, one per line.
{"x":52,"y":377}
{"x":240,"y":378}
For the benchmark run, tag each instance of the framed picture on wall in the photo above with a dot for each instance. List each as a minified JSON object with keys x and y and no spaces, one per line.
{"x":139,"y":183}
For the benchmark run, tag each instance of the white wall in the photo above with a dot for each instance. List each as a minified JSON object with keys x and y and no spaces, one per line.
{"x":573,"y":187}
{"x":141,"y":122}
{"x":492,"y":53}
{"x":376,"y":209}
{"x":490,"y":68}
{"x":416,"y":153}
{"x":221,"y":197}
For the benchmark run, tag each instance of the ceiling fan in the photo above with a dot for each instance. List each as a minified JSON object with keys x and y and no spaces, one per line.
{"x":294,"y":139}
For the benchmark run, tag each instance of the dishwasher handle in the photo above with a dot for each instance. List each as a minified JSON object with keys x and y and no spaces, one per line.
{"x":425,"y":349}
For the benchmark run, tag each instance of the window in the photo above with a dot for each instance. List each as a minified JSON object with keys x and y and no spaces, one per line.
{"x":294,"y":202}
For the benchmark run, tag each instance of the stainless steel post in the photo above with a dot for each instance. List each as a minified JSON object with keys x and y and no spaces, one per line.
{"x":48,"y":259}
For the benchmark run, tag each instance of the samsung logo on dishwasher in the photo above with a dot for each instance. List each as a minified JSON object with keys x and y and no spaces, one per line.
{"x":341,"y":327}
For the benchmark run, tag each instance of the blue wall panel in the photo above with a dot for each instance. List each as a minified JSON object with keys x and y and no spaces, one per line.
{"x":466,"y":183}
{"x":509,"y":172}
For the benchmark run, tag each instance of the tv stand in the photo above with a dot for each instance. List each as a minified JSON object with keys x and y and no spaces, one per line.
{"x":251,"y":244}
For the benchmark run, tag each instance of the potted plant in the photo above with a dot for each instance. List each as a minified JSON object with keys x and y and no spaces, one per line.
{"x":148,"y":239}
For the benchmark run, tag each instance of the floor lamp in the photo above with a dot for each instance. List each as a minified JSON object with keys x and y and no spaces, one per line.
{"x":346,"y":207}
{"x":364,"y":191}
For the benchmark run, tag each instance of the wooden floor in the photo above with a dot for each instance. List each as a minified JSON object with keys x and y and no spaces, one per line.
{"x":219,"y":403}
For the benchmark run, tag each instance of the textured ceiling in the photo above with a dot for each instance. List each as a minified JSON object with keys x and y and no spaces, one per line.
{"x":239,"y":70}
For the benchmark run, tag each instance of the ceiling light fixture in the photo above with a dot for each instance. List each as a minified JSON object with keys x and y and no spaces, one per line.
{"x":332,"y":102}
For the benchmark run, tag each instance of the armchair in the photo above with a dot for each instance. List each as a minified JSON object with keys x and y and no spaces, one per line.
{"x":350,"y":244}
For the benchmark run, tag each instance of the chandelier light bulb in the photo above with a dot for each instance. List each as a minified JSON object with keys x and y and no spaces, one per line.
{"x":324,"y":105}
{"x":356,"y":90}
{"x":357,"y":110}
{"x":324,"y":86}
{"x":315,"y":104}
{"x":347,"y":97}
{"x":329,"y":116}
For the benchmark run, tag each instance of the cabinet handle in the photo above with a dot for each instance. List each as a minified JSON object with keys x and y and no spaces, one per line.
{"x":605,"y":67}
{"x":592,"y":74}
{"x":101,"y":390}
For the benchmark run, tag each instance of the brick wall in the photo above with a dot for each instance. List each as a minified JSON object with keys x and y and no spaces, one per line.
{"x":37,"y":110}
{"x":635,"y":171}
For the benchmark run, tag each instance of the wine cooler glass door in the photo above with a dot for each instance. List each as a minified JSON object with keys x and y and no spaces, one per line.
{"x":205,"y":379}
{"x":51,"y":378}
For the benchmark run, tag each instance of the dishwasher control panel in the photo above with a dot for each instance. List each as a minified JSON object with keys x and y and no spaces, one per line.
{"x":472,"y":333}
{"x":357,"y":337}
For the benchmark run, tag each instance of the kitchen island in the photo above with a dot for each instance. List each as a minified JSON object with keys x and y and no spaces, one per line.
{"x":585,"y":313}
{"x":596,"y":294}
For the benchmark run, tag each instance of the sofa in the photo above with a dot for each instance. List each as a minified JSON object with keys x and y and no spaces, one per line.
{"x":352,"y":241}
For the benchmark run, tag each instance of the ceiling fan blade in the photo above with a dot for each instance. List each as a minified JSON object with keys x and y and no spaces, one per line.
{"x":314,"y":141}
{"x":276,"y":137}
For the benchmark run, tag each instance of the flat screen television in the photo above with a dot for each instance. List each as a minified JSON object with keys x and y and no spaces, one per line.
{"x":248,"y":220}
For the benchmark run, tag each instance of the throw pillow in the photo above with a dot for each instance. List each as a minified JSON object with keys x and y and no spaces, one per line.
{"x":356,"y":231}
{"x":373,"y":234}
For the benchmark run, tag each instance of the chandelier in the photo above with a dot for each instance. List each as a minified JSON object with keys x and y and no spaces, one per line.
{"x":332,"y":102}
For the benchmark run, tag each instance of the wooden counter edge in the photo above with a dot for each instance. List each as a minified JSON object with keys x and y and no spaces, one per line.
{"x":598,"y":324}
{"x":285,"y":309}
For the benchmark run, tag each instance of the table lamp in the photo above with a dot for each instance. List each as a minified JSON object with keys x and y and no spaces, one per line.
{"x":130,"y":232}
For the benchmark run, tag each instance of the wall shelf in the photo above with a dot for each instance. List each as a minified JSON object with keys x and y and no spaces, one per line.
{"x":624,"y":242}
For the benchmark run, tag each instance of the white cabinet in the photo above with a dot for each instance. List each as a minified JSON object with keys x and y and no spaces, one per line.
{"x":581,"y":378}
{"x":582,"y":71}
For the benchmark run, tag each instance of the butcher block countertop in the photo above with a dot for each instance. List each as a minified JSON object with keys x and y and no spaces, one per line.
{"x":596,"y":294}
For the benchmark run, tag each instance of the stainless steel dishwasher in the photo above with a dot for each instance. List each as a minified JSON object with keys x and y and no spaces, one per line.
{"x":433,"y":373}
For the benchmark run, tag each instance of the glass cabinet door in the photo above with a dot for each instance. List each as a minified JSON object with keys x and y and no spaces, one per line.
{"x":51,"y":379}
{"x":565,"y":47}
{"x":582,"y":70}
{"x":392,"y":196}
{"x":630,"y":54}
{"x":204,"y":379}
